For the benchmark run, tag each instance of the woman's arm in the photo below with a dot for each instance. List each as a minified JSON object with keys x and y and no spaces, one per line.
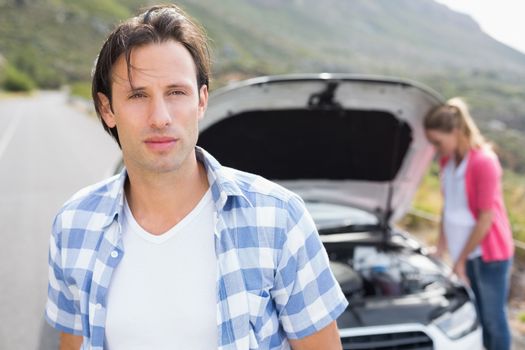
{"x":478,"y":233}
{"x":486,"y":178}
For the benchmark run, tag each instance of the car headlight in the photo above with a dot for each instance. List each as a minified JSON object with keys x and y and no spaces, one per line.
{"x":458,"y":323}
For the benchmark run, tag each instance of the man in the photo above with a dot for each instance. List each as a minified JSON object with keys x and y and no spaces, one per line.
{"x":178,"y":252}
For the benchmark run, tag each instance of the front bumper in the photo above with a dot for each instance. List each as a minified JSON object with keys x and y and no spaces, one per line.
{"x":407,"y":336}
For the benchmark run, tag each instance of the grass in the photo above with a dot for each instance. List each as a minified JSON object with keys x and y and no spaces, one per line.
{"x":514,"y":195}
{"x":81,"y":89}
{"x":428,"y":197}
{"x":10,"y":94}
{"x":15,"y":80}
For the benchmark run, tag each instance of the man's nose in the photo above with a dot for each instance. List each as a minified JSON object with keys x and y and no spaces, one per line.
{"x":159,"y":113}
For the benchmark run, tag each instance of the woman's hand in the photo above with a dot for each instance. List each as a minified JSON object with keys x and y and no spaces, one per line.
{"x":437,"y":252}
{"x":460,"y":270}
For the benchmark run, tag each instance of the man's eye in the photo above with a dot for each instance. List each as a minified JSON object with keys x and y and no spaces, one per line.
{"x":177,"y":92}
{"x":136,"y":96}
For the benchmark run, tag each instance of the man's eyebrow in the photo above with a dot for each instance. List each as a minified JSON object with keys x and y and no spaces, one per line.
{"x":179,"y":85}
{"x":170,"y":86}
{"x":136,"y":88}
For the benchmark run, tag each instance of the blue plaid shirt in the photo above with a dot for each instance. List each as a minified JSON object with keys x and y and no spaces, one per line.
{"x":274,"y":282}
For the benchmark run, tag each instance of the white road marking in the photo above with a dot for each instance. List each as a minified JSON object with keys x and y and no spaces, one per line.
{"x":8,"y":135}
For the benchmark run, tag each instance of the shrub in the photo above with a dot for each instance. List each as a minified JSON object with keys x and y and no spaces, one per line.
{"x":81,"y":89}
{"x":14,"y":80}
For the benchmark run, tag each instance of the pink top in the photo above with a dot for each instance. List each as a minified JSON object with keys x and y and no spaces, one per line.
{"x":483,"y":187}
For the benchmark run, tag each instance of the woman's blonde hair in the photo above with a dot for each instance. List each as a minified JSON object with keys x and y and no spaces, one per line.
{"x":455,"y":115}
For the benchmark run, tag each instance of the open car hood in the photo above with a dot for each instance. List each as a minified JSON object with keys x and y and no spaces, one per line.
{"x":344,"y":139}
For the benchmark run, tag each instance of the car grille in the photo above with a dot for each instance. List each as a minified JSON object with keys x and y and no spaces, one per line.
{"x":389,"y":341}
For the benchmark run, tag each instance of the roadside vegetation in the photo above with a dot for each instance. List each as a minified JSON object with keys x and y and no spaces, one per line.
{"x":14,"y":80}
{"x":81,"y":89}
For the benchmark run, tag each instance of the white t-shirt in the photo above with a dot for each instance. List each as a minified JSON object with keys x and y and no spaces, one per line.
{"x":163,"y":292}
{"x":458,"y":221}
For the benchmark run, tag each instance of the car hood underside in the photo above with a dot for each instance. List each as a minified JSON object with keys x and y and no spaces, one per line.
{"x":336,"y":138}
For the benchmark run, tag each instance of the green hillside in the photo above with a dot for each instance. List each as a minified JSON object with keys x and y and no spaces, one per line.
{"x":415,"y":38}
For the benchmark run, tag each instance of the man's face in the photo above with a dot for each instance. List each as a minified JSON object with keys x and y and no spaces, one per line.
{"x":157,"y":114}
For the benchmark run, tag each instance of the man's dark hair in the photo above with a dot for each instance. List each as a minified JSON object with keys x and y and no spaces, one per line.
{"x":156,"y":24}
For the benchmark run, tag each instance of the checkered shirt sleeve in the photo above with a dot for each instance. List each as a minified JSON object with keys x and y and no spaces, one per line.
{"x":306,"y":294}
{"x":63,"y":307}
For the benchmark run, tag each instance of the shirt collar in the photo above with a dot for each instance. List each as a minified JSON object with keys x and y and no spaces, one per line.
{"x":115,"y":189}
{"x":221,"y":179}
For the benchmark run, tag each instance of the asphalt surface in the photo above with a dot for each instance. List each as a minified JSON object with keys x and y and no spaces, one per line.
{"x":48,"y":150}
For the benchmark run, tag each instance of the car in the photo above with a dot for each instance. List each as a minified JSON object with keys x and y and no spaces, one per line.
{"x":354,"y":149}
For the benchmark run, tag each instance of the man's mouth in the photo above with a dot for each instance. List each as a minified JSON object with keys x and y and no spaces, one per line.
{"x":160,"y":143}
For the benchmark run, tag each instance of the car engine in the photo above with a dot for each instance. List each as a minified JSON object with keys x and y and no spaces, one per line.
{"x":371,"y":272}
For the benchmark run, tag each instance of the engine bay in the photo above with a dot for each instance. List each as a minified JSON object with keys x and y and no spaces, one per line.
{"x":368,"y":271}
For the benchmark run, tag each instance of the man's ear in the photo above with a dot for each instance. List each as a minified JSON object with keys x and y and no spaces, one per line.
{"x":203,"y":100}
{"x":105,"y":110}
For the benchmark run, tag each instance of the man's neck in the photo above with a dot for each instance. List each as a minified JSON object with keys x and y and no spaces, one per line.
{"x":159,"y":201}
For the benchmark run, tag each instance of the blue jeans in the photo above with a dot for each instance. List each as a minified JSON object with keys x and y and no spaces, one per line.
{"x":490,"y":284}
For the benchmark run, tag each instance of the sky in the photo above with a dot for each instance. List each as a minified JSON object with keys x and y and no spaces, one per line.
{"x":501,"y":19}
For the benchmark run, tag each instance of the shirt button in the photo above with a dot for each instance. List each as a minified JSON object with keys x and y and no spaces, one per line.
{"x":114,"y":254}
{"x":98,"y":306}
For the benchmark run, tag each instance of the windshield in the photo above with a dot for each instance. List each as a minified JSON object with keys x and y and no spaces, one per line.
{"x":328,"y":215}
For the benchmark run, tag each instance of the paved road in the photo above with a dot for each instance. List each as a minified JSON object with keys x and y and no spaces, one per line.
{"x":48,"y":150}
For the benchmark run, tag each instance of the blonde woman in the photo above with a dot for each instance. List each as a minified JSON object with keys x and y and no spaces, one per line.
{"x":474,"y":226}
